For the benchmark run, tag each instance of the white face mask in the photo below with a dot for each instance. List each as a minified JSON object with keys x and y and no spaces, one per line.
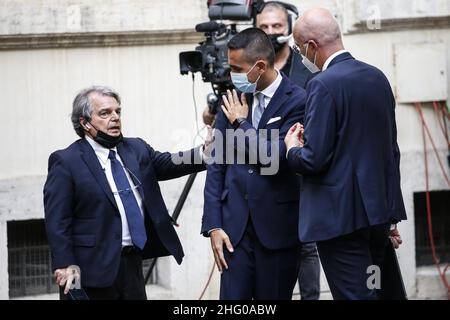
{"x":311,"y":66}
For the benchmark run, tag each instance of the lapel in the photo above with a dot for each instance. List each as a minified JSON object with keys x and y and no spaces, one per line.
{"x":342,"y":57}
{"x":278,"y":99}
{"x":91,"y":160}
{"x":130,"y":161}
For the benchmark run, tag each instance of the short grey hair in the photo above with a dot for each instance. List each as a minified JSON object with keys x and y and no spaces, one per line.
{"x":82,"y":107}
{"x":273,"y":5}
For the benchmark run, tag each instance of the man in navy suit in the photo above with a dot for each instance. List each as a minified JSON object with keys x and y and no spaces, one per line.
{"x":251,"y":200}
{"x":104,"y":211}
{"x":348,"y":155}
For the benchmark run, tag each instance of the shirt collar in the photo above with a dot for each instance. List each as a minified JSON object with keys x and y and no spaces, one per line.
{"x":101,"y":152}
{"x":272,"y":88}
{"x":330,"y":58}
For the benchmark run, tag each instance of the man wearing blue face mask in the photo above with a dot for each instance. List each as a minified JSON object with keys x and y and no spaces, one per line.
{"x":251,"y":218}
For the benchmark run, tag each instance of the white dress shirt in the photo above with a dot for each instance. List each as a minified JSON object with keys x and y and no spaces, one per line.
{"x":102,"y":155}
{"x":330,"y":58}
{"x":267,"y":92}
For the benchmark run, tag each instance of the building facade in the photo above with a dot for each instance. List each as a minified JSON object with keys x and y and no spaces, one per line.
{"x":51,"y":49}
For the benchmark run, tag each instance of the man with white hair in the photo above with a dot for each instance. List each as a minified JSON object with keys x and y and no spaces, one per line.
{"x":104,"y":210}
{"x":348,"y":155}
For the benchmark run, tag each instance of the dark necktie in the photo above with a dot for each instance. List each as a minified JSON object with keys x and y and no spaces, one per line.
{"x":132,"y":211}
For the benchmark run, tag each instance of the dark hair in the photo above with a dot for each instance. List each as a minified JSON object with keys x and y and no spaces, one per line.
{"x":256,"y":44}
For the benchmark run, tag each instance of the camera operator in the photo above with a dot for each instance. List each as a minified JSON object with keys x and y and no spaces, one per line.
{"x":274,"y":19}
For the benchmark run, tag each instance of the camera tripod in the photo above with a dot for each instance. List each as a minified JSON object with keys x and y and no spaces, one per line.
{"x":175,"y":215}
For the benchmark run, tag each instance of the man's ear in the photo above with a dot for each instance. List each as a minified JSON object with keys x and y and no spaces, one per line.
{"x":84,"y":124}
{"x":262,"y":65}
{"x":313,"y":44}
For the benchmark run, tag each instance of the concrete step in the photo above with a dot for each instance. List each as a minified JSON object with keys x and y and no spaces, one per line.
{"x":429,"y":284}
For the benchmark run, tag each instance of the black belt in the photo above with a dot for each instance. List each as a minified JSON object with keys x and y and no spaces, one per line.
{"x":129,"y":250}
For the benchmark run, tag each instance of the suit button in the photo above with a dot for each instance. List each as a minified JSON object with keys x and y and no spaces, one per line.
{"x":250,"y":171}
{"x":246,"y":196}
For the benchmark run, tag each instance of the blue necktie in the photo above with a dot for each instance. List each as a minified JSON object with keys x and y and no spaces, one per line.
{"x":132,"y":211}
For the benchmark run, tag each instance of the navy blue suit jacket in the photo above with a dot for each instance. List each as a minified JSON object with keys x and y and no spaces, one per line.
{"x":350,"y":160}
{"x":235,"y":191}
{"x":82,"y":219}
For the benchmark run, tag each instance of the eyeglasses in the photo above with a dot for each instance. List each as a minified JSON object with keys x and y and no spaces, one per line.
{"x":131,"y":189}
{"x":296,"y":49}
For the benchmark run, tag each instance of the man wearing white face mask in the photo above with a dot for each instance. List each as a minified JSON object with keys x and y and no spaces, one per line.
{"x":251,"y":218}
{"x":349,"y":160}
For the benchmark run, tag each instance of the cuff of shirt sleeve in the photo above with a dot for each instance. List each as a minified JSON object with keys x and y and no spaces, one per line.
{"x":209,"y":232}
{"x":287,"y":153}
{"x":204,"y":157}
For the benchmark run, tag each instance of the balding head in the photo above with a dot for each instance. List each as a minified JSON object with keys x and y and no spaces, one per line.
{"x":320,"y":25}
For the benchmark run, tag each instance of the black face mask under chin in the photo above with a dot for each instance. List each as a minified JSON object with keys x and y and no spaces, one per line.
{"x":107,"y":140}
{"x":277,"y":46}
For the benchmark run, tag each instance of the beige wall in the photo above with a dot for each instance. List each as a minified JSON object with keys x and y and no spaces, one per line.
{"x":38,"y":88}
{"x":56,"y":16}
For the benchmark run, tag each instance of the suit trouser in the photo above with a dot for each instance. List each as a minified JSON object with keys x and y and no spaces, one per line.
{"x":309,"y":272}
{"x":255,"y":272}
{"x":345,"y":261}
{"x":129,"y":283}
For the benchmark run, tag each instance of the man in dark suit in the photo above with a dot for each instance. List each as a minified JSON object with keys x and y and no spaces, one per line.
{"x":104,"y":211}
{"x":349,"y":158}
{"x":274,"y":19}
{"x":251,"y":202}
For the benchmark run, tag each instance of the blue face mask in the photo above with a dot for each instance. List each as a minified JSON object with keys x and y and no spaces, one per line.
{"x":241,"y":82}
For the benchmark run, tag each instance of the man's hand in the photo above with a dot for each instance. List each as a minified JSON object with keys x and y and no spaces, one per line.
{"x":396,"y":240}
{"x":218,"y":239}
{"x":208,"y":117}
{"x":294,"y":137}
{"x":67,"y":276}
{"x":233,"y":108}
{"x":208,"y":145}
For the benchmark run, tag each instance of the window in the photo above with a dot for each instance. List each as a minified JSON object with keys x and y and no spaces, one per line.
{"x":440,"y":214}
{"x":29,"y":260}
{"x":29,"y":264}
